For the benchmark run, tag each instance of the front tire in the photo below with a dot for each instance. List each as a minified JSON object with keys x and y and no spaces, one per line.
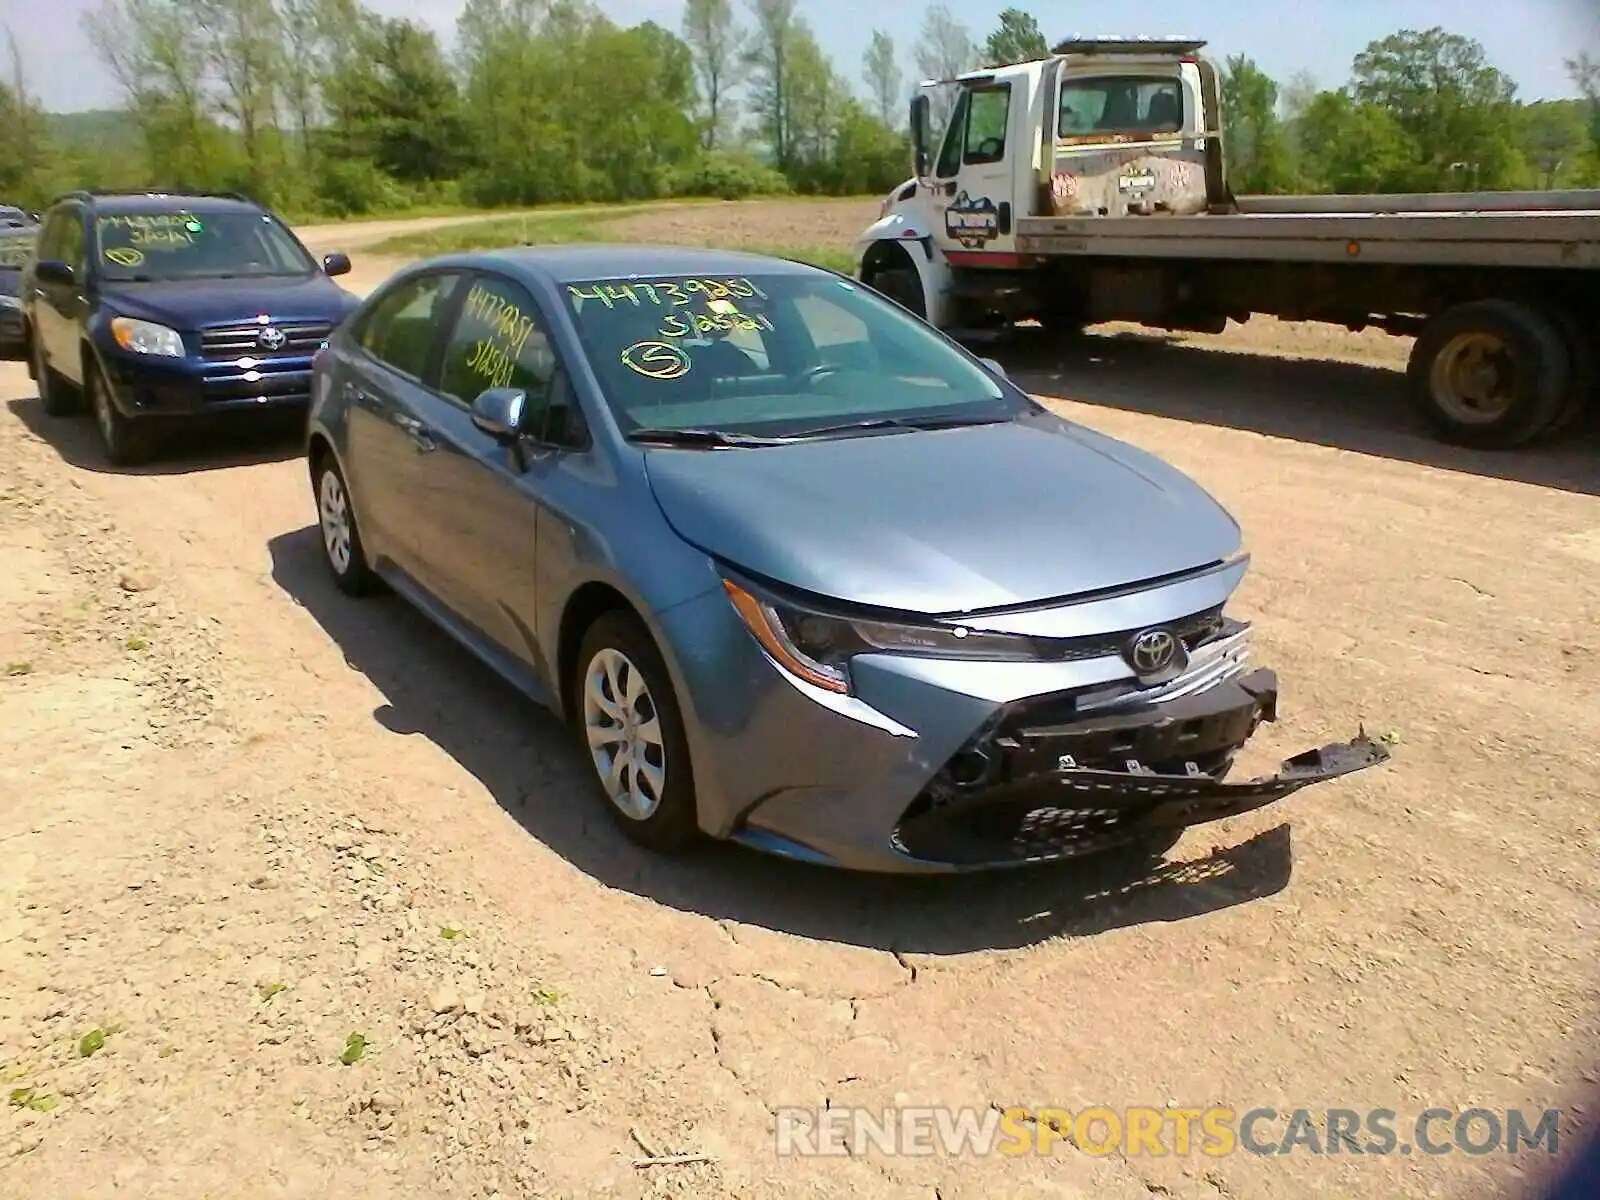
{"x":127,"y":442}
{"x":342,"y":551}
{"x":626,"y":717}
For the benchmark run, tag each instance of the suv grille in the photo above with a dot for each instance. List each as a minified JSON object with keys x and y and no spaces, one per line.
{"x":244,"y":340}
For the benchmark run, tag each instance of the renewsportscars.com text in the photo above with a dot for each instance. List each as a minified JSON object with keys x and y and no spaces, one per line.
{"x":1156,"y":1132}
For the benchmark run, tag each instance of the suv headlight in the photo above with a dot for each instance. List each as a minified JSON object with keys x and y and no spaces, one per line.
{"x":11,"y":302}
{"x":817,"y":646}
{"x":146,"y":337}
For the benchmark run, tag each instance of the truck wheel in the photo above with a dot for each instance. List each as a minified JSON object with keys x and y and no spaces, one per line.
{"x":1585,"y":367}
{"x":904,"y":286}
{"x":1491,"y":374}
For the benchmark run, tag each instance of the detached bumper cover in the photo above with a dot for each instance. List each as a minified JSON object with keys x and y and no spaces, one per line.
{"x":1092,"y":784}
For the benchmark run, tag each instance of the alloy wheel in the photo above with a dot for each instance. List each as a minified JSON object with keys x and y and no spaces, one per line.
{"x":624,"y":734}
{"x":333,"y":510}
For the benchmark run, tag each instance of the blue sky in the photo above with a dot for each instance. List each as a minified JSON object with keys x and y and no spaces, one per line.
{"x":1527,"y":40}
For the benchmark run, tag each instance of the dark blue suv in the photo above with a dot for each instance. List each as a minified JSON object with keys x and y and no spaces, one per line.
{"x":152,"y":308}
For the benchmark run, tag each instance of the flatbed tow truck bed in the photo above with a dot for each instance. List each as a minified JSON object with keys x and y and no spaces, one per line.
{"x":1550,"y":238}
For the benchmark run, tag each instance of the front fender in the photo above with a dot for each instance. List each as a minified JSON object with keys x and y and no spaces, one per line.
{"x":911,"y":239}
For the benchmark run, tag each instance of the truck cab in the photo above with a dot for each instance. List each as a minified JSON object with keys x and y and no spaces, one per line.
{"x":1104,"y":127}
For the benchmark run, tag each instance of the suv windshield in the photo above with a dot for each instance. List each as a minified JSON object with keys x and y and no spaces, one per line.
{"x":773,"y":355}
{"x":184,"y":245}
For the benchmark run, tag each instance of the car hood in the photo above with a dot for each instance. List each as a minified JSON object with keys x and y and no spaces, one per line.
{"x":188,"y":304}
{"x":945,"y":521}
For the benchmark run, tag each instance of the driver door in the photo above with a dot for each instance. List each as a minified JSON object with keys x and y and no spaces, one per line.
{"x":975,"y":173}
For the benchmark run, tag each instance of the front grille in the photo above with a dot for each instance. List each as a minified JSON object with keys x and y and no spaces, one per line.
{"x":1193,"y":632}
{"x":223,"y":342}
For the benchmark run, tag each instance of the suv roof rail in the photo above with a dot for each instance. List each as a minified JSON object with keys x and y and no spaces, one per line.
{"x":196,"y":193}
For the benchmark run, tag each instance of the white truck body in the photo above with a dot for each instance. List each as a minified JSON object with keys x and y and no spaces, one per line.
{"x":1091,"y":186}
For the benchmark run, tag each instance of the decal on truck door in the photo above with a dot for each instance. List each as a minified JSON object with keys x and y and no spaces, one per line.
{"x":973,"y":223}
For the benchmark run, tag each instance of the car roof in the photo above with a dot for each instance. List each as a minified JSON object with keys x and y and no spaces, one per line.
{"x":135,"y":203}
{"x":571,"y":264}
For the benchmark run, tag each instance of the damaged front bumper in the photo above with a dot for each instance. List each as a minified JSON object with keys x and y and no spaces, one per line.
{"x":1032,"y":790}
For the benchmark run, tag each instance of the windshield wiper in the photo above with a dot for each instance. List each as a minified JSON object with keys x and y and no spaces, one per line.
{"x":950,"y":422}
{"x":711,"y":438}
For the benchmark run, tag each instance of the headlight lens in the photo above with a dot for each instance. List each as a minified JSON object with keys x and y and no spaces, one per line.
{"x":146,"y":337}
{"x":11,"y":302}
{"x":818,"y":646}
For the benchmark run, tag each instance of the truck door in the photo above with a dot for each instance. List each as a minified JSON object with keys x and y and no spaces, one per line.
{"x":973,"y":177}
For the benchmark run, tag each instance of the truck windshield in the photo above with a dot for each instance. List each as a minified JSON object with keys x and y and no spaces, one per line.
{"x":1121,"y":104}
{"x":183,"y":245}
{"x":773,"y":355}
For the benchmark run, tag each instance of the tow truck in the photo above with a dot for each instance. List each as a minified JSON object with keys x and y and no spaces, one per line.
{"x":1092,"y":186}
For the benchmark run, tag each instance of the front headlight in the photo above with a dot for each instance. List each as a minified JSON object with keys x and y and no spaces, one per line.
{"x":146,"y":337}
{"x":12,"y":302}
{"x":818,"y":646}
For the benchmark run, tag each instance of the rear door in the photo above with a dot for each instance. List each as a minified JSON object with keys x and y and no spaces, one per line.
{"x":974,"y":174}
{"x":384,"y":380}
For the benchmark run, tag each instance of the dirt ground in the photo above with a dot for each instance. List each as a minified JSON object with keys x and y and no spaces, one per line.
{"x":243,"y":819}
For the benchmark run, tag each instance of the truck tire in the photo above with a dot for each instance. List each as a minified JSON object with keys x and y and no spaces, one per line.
{"x":904,"y":286}
{"x":1585,"y":367}
{"x":1490,"y":374}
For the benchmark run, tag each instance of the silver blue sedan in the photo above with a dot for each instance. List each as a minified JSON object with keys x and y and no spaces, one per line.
{"x":798,"y":570}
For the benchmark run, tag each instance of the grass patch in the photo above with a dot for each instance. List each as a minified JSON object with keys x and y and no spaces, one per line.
{"x":566,"y":228}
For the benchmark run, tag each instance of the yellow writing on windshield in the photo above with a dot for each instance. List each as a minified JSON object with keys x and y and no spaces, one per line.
{"x":185,"y":221}
{"x":656,"y":360}
{"x":675,"y":292}
{"x":124,"y":256}
{"x":161,"y":239}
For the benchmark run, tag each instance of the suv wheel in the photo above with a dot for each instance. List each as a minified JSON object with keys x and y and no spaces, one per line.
{"x":127,"y":442}
{"x":55,"y":396}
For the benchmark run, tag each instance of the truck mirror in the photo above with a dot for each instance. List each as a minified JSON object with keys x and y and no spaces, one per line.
{"x":920,"y":162}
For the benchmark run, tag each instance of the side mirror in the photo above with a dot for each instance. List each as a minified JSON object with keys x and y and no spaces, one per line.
{"x":498,"y":412}
{"x":53,"y":270}
{"x":921,"y":162}
{"x":336,"y":264}
{"x":994,"y":368}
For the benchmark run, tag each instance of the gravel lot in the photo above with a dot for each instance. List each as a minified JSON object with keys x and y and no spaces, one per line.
{"x":243,"y":819}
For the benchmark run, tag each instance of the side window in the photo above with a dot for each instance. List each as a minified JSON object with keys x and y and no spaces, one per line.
{"x":400,"y":330}
{"x":71,"y":247}
{"x":50,"y":236}
{"x":500,"y":340}
{"x":949,"y":164}
{"x":987,"y":116}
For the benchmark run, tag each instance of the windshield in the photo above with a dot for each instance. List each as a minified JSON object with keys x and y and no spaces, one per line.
{"x":1121,"y":104}
{"x":772,"y":355}
{"x":182,"y":245}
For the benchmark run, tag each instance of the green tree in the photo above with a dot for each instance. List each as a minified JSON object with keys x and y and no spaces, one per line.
{"x":1257,"y":145}
{"x":944,"y":49}
{"x":770,"y":58}
{"x":1353,"y":146}
{"x":1016,"y":40}
{"x":880,"y":69}
{"x":716,"y":47}
{"x":1455,"y":108}
{"x":396,"y":106}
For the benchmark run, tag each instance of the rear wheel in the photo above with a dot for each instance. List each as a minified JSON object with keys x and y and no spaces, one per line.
{"x":1492,"y":374}
{"x":904,"y":286}
{"x":55,"y":396}
{"x":127,"y":442}
{"x":342,"y":550}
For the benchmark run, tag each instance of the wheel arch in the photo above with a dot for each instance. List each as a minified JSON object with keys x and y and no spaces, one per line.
{"x":921,"y":256}
{"x":583,"y":608}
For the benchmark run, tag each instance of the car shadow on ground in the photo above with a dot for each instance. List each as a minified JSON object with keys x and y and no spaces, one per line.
{"x":526,"y":760}
{"x":1343,"y":405}
{"x":208,"y":444}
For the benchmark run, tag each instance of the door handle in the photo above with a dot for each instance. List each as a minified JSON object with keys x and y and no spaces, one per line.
{"x":421,"y":436}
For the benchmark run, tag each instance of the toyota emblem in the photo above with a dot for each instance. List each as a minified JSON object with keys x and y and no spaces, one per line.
{"x":1155,"y":652}
{"x":271,"y":338}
